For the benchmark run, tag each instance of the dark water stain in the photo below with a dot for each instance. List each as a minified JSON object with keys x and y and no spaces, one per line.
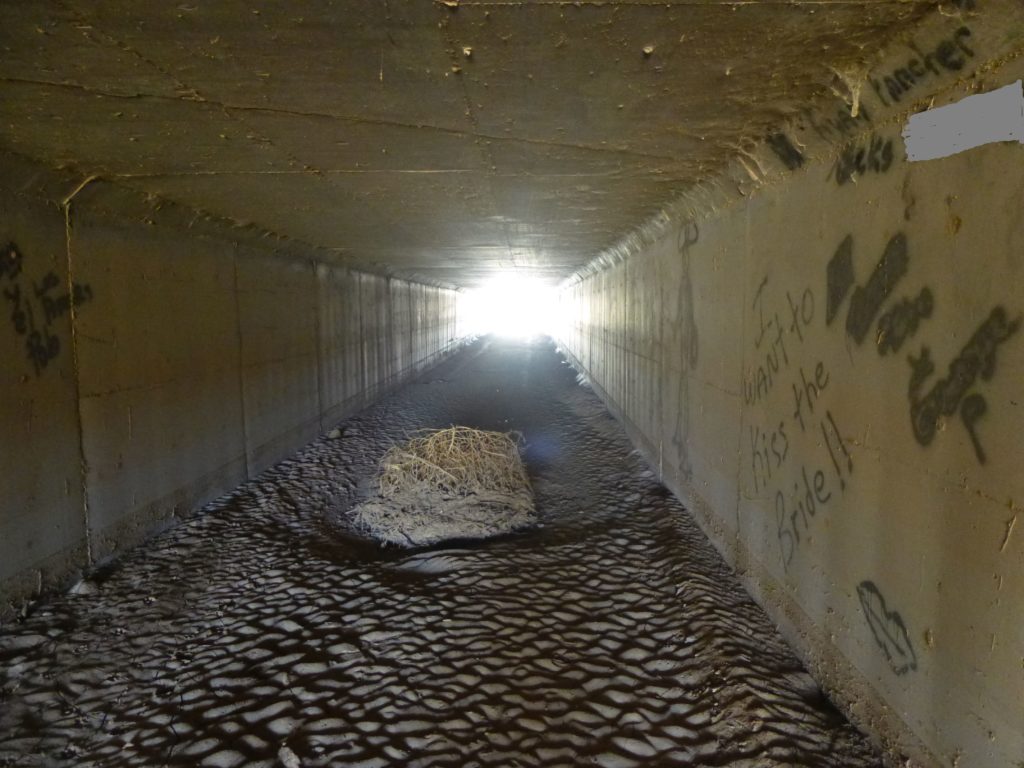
{"x":613,"y":635}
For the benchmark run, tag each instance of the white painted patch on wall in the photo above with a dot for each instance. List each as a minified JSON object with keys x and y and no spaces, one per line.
{"x":981,"y":119}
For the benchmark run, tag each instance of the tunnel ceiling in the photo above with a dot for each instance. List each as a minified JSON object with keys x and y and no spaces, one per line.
{"x":436,"y":140}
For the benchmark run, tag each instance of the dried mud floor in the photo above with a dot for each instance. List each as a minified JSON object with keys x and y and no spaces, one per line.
{"x":259,"y":634}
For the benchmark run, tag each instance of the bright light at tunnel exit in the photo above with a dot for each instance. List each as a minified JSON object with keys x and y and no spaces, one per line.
{"x":511,"y":306}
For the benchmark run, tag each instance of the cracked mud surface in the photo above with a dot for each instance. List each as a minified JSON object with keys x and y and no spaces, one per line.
{"x":259,"y":633}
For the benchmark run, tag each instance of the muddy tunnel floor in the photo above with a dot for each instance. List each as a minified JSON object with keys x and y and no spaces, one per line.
{"x":260,"y":633}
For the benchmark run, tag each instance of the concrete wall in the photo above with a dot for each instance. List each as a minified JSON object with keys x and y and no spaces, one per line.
{"x":154,"y":358}
{"x":44,"y":524}
{"x":822,"y":353}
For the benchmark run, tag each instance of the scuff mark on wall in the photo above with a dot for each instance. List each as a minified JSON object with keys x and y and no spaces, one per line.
{"x":1009,"y":529}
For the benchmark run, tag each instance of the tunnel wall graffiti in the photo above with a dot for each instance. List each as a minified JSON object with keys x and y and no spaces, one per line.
{"x":185,"y":358}
{"x":38,"y":412}
{"x":828,"y":372}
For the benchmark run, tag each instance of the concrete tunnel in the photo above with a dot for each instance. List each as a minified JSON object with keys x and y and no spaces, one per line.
{"x":774,"y":436}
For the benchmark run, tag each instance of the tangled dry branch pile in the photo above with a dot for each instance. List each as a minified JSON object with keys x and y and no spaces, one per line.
{"x":450,"y":483}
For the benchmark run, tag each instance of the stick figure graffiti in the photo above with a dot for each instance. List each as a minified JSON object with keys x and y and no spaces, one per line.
{"x":689,"y":343}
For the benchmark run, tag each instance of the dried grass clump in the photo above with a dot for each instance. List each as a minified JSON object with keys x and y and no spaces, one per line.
{"x":457,"y":460}
{"x":448,"y":484}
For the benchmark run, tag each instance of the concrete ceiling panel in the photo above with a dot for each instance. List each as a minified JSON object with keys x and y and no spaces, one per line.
{"x":338,"y":145}
{"x":646,"y":78}
{"x":128,"y":137}
{"x":43,"y":42}
{"x":376,"y":61}
{"x":446,"y":140}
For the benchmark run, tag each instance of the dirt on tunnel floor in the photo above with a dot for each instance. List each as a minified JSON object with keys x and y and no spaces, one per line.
{"x":261,"y":633}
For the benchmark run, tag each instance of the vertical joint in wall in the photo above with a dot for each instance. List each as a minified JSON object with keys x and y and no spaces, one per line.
{"x":83,"y":467}
{"x":318,"y":343}
{"x":241,"y":363}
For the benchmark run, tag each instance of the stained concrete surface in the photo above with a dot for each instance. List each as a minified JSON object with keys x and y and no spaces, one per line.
{"x":508,"y":134}
{"x":261,"y":631}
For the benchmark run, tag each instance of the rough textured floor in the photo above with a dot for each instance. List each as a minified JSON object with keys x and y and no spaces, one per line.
{"x":259,"y":634}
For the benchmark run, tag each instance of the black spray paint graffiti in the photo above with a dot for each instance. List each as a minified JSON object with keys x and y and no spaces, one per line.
{"x":805,"y":396}
{"x":888,"y":629}
{"x":768,"y":451}
{"x":949,"y":55}
{"x":800,"y":491}
{"x":760,"y":381}
{"x":34,"y":309}
{"x":875,"y":156}
{"x":841,"y":458}
{"x":811,"y":491}
{"x":976,"y":359}
{"x":900,"y":322}
{"x":868,"y":300}
{"x":839,"y":278}
{"x":790,"y":156}
{"x":801,"y":506}
{"x":842,"y":126}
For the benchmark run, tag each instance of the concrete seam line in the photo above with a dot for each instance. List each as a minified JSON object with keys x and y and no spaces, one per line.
{"x":241,"y":366}
{"x":317,"y":332}
{"x":355,"y":119}
{"x":83,"y":467}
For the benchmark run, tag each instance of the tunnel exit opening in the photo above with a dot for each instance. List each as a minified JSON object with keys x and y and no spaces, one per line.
{"x":511,"y":306}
